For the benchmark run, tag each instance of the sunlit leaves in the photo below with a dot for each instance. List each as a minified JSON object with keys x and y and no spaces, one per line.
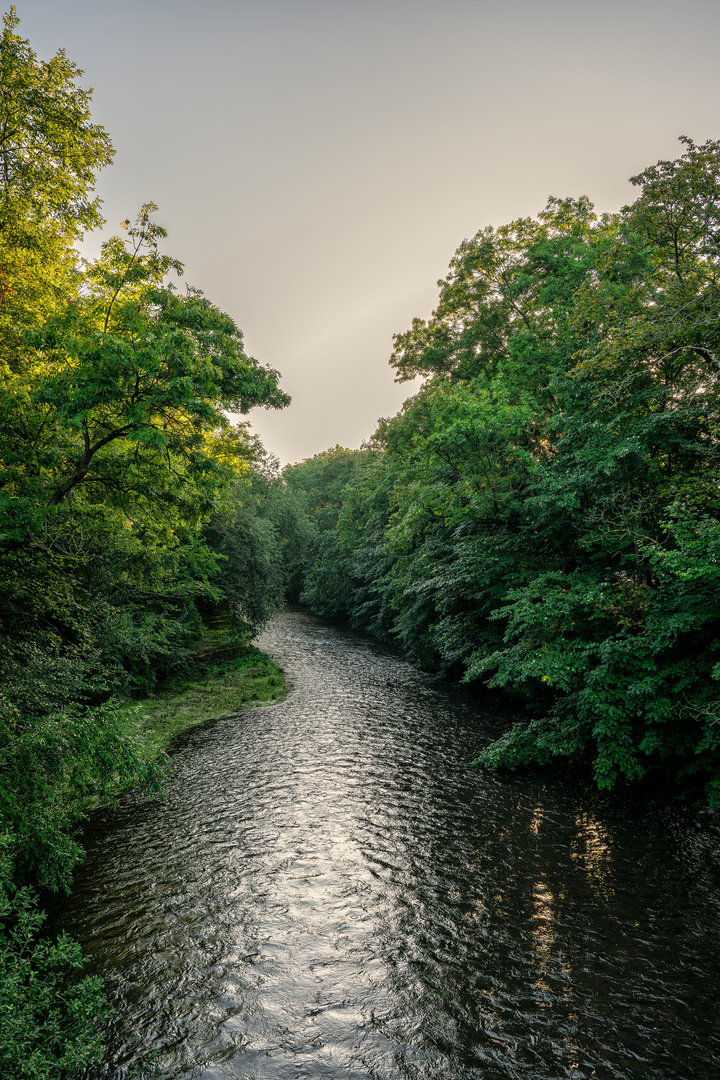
{"x":50,"y":150}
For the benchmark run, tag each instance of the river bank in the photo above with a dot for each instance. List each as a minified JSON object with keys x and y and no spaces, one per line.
{"x":221,"y":677}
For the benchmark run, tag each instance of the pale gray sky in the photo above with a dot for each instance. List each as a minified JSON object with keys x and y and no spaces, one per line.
{"x":317,"y":162}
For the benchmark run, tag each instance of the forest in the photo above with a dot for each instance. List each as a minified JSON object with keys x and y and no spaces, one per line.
{"x":542,"y":518}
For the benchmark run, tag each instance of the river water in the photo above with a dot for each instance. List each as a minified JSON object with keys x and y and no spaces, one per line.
{"x":332,"y":891}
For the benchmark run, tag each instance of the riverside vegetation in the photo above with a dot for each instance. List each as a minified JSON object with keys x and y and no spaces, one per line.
{"x":133,"y":515}
{"x":542,"y":516}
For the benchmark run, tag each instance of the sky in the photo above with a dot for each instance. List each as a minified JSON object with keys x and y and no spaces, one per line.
{"x":317,"y":162}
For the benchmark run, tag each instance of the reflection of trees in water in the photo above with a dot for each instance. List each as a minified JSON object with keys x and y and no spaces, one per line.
{"x":477,"y":950}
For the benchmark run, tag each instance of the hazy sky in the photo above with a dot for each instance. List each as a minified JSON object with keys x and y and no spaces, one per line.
{"x":317,"y":162}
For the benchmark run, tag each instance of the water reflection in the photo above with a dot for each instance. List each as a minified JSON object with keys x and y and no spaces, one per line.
{"x":591,"y":851}
{"x":331,"y":891}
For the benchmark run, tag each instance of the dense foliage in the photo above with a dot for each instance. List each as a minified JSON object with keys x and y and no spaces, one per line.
{"x":129,"y":508}
{"x":544,"y":514}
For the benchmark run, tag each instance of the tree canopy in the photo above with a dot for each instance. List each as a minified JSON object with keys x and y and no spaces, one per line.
{"x":543,"y":515}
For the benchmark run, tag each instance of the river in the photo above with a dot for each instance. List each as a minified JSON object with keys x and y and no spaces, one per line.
{"x":332,"y":891}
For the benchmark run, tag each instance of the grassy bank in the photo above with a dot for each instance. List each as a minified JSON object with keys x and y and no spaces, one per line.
{"x":221,"y":678}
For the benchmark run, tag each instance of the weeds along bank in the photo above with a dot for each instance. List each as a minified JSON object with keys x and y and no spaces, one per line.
{"x":544,"y":515}
{"x":132,"y":513}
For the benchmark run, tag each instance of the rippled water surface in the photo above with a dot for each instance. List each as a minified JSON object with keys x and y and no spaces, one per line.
{"x":332,"y":891}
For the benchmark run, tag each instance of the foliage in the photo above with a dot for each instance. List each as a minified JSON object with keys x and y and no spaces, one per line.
{"x":545,"y":511}
{"x":52,"y":762}
{"x":50,"y":148}
{"x":49,"y":1015}
{"x":50,"y":152}
{"x":319,"y":486}
{"x":259,"y":539}
{"x":125,"y":402}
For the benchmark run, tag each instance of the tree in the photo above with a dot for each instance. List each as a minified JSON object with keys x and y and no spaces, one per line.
{"x":50,"y":149}
{"x":128,"y":393}
{"x":50,"y":152}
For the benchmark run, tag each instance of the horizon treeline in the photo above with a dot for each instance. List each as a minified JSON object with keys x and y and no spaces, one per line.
{"x":544,"y":515}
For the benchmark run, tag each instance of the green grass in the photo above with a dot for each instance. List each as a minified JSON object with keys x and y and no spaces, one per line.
{"x":222,"y":678}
